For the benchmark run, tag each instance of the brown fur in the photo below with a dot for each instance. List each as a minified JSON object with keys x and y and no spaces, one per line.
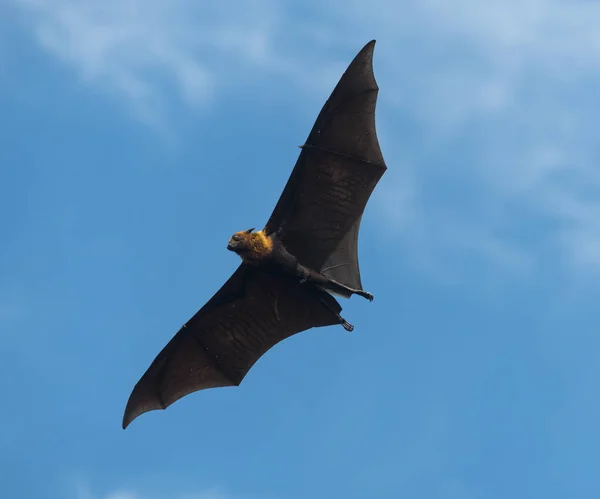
{"x":258,"y":246}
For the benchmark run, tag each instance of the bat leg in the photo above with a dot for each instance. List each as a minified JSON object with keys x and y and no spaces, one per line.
{"x":347,"y":326}
{"x":342,"y":289}
{"x":310,"y":276}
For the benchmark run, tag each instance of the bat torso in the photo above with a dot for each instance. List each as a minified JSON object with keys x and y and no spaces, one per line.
{"x":269,"y":253}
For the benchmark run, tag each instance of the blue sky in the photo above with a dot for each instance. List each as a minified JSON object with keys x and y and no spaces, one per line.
{"x":137,"y":136}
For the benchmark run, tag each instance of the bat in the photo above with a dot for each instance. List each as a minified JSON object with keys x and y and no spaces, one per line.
{"x":290,"y":270}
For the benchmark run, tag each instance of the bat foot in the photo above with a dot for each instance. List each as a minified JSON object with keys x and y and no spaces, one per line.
{"x":347,"y":326}
{"x":366,"y":294}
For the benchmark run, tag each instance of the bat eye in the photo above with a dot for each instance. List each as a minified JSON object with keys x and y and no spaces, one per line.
{"x":236,"y":238}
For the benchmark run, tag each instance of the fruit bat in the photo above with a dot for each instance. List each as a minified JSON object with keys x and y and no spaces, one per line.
{"x":290,"y":269}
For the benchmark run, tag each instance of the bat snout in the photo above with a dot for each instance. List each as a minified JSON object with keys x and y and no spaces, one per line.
{"x":234,"y":245}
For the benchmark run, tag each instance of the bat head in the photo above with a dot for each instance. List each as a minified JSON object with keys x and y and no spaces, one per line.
{"x":240,"y":242}
{"x":252,"y":247}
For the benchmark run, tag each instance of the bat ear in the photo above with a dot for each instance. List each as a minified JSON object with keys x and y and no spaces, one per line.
{"x":250,"y":230}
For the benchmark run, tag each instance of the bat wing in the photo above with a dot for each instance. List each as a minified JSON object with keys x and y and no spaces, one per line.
{"x":217,"y":347}
{"x":319,"y":212}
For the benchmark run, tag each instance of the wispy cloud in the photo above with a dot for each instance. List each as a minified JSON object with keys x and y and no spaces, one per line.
{"x":501,"y":95}
{"x":504,"y":93}
{"x":145,"y":50}
{"x":83,"y":491}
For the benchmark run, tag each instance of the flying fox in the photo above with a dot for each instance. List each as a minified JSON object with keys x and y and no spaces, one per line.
{"x":292,"y":268}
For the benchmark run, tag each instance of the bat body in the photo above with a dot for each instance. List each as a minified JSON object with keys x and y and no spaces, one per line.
{"x":268,"y":253}
{"x":307,"y":251}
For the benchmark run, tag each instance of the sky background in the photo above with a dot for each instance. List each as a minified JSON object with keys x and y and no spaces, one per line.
{"x":137,"y":136}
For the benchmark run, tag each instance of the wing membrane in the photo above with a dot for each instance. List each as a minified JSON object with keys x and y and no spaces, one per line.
{"x":322,"y":203}
{"x":217,"y":347}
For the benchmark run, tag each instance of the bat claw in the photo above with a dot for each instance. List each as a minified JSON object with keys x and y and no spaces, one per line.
{"x":347,"y":326}
{"x":367,"y":295}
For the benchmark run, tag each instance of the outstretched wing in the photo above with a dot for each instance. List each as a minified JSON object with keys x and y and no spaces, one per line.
{"x":251,"y":313}
{"x":319,"y":212}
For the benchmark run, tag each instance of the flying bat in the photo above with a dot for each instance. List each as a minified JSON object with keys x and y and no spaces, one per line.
{"x":290,"y":270}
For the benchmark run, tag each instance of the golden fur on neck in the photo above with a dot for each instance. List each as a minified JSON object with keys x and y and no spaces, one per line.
{"x":257,"y":244}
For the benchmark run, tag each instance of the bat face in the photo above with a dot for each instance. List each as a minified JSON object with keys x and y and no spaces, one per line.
{"x":240,"y":242}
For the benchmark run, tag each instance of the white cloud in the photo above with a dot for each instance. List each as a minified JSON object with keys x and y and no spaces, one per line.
{"x":137,"y":48}
{"x":83,"y":491}
{"x":509,"y":85}
{"x":122,"y":495}
{"x":147,"y":51}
